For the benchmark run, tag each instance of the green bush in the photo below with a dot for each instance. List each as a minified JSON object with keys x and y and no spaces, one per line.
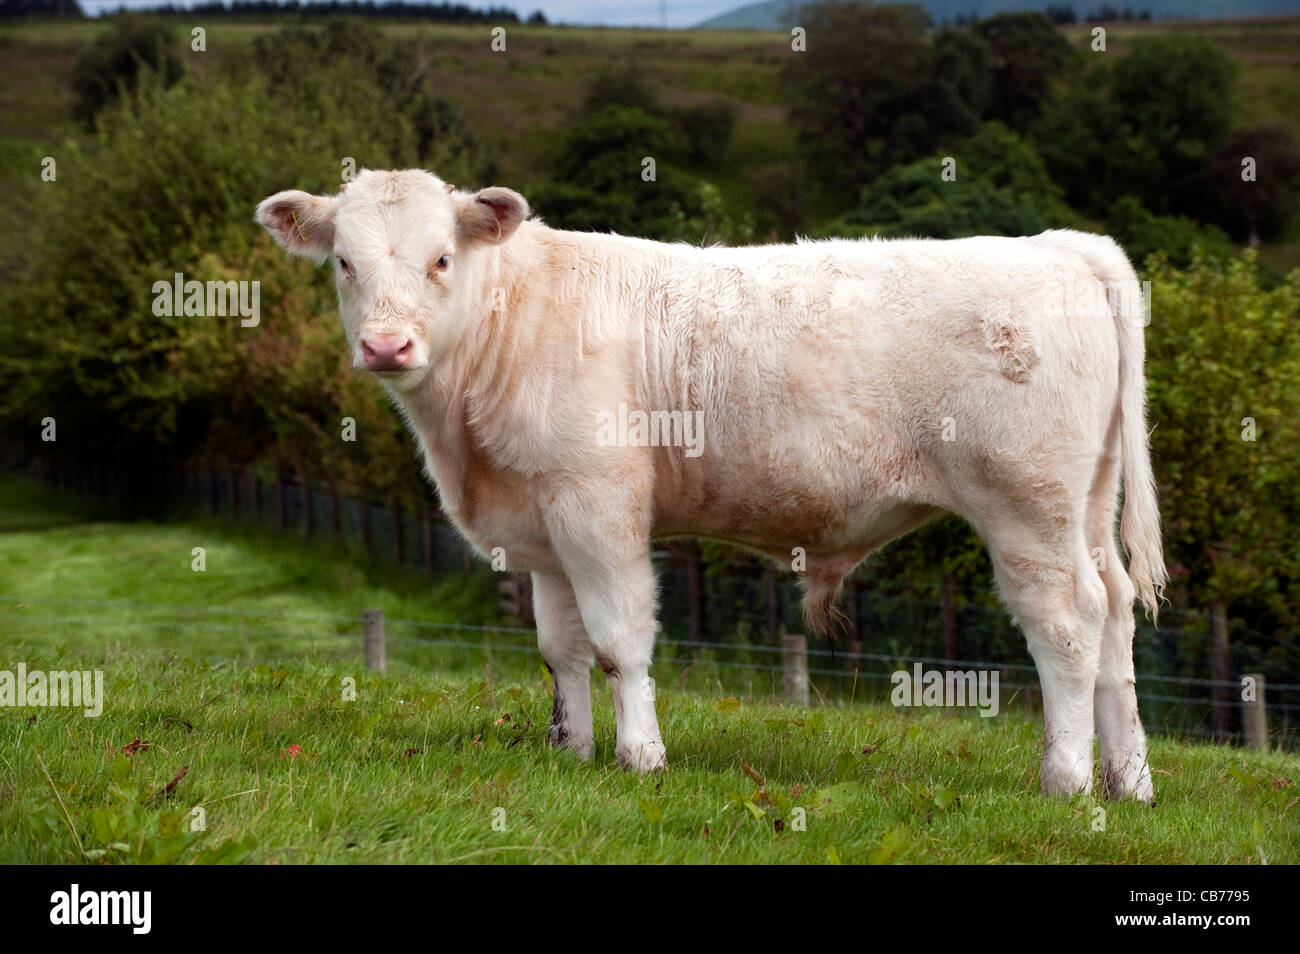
{"x":168,"y":184}
{"x":115,"y":62}
{"x":601,"y":182}
{"x":1001,"y":188}
{"x":706,"y":130}
{"x":1179,"y":239}
{"x":1223,"y":371}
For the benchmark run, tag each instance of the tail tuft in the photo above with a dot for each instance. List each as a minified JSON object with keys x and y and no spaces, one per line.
{"x":822,"y":616}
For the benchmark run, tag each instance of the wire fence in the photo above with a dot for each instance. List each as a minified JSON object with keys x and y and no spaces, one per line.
{"x":722,"y":623}
{"x":1169,"y":704}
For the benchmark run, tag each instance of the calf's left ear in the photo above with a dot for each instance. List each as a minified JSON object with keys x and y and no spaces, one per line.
{"x":491,"y":215}
{"x":303,"y":223}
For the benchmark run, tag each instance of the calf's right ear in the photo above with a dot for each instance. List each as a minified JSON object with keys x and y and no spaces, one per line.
{"x":303,"y":223}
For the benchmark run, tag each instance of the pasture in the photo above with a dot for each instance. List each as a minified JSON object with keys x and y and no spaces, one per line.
{"x":443,"y":759}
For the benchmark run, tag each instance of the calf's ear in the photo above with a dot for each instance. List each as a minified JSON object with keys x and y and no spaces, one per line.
{"x":491,"y":215}
{"x":303,"y":223}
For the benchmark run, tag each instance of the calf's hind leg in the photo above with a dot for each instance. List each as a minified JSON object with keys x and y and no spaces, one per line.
{"x":1058,"y":599}
{"x":563,"y":642}
{"x":1124,"y":769}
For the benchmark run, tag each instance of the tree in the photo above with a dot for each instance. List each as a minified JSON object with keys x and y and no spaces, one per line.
{"x":701,"y":134}
{"x":958,"y":95}
{"x":1077,"y":139}
{"x":19,"y":9}
{"x":1174,"y":102}
{"x":598,"y":171}
{"x":1256,"y":177}
{"x":1223,"y":373}
{"x":859,"y":86}
{"x":115,"y":62}
{"x":363,"y":48}
{"x":1001,"y":188}
{"x":1028,"y":52}
{"x":166,"y":185}
{"x":618,"y":165}
{"x":1147,"y":128}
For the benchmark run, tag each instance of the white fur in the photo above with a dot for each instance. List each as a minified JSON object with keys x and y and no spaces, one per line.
{"x":830,"y":377}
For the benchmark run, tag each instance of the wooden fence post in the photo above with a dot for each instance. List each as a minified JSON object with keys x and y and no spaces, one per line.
{"x":372,"y":627}
{"x":1254,"y":717}
{"x":794,"y":658}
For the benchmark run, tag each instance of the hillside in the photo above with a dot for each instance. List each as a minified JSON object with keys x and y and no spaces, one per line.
{"x":773,"y":14}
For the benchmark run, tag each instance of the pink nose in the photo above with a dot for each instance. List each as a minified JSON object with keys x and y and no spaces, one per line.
{"x":387,"y":352}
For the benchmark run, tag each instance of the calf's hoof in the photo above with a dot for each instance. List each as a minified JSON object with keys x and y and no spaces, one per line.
{"x":580,"y":743}
{"x":1066,"y":773}
{"x":643,"y":757}
{"x":1129,"y":779}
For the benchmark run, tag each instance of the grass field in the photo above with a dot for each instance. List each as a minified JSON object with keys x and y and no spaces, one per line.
{"x":444,"y":758}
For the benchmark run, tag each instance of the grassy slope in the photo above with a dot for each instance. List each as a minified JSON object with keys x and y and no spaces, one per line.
{"x":416,"y":768}
{"x":518,"y":98}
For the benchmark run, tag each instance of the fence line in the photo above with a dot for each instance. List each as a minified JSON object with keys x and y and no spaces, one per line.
{"x":528,"y":631}
{"x":697,"y":654}
{"x":754,"y":601}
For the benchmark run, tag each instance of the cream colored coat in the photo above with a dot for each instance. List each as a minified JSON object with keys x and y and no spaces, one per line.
{"x":843,"y":392}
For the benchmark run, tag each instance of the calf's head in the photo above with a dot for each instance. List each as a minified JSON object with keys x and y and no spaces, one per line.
{"x":407,"y":252}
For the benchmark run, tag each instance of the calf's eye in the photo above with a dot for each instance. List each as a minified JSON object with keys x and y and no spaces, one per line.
{"x":438,"y":267}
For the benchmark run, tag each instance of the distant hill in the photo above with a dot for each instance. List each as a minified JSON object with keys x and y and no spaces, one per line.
{"x":772,"y":14}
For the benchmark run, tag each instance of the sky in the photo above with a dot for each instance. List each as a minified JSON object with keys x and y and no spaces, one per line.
{"x":681,"y":13}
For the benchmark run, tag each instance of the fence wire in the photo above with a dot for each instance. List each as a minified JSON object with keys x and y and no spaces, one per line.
{"x":686,"y":655}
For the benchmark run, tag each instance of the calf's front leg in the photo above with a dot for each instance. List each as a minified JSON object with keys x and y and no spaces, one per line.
{"x":563,"y":642}
{"x":613,"y":583}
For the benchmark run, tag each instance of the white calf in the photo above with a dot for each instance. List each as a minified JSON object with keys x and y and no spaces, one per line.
{"x":843,"y":392}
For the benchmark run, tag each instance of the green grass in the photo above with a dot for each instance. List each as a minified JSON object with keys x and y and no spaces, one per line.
{"x":252,"y":724}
